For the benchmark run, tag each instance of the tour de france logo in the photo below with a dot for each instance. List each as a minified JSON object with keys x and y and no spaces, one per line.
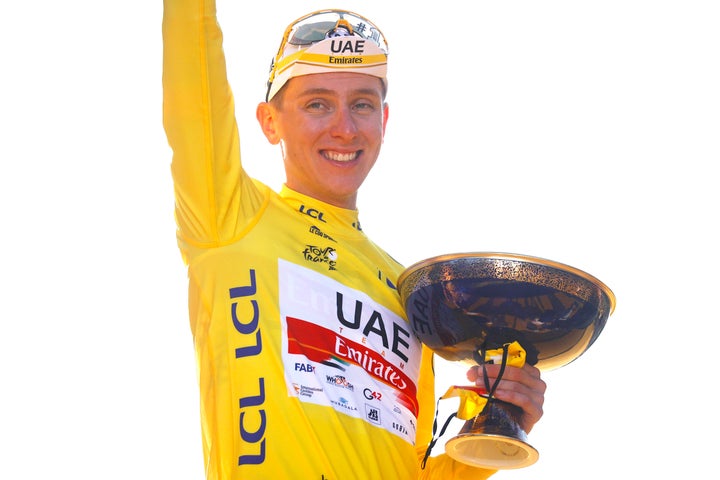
{"x":326,"y":255}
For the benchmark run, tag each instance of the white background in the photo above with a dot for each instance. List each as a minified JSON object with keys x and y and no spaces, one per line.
{"x":582,"y":132}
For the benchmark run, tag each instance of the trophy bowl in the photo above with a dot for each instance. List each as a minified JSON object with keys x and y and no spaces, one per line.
{"x":460,"y":305}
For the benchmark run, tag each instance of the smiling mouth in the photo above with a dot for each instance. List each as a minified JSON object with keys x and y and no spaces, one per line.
{"x":340,"y":157}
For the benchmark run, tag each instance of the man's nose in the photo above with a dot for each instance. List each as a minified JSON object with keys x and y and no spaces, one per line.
{"x":344,"y":122}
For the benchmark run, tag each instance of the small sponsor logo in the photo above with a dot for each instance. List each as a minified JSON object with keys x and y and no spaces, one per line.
{"x":305,"y":391}
{"x":344,"y":404}
{"x":316,"y":231}
{"x":304,"y":367}
{"x":372,"y":413}
{"x":399,"y":427}
{"x":372,"y":395}
{"x":340,"y":381}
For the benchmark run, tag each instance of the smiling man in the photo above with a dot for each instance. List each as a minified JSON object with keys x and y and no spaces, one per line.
{"x":330,"y":126}
{"x":307,"y":365}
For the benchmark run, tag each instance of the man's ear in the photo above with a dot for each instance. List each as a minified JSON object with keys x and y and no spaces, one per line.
{"x":266,"y":115}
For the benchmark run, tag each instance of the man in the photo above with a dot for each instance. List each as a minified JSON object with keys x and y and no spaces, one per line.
{"x":307,"y":365}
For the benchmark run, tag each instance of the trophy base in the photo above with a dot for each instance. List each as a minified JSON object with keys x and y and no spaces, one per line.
{"x":491,"y":451}
{"x":493,"y":440}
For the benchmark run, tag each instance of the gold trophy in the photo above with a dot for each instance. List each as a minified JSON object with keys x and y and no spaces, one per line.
{"x":464,"y":305}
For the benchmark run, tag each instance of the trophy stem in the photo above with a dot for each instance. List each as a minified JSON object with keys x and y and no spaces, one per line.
{"x":493,"y":439}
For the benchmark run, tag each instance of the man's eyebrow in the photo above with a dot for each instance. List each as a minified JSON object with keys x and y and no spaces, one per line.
{"x":330,"y":91}
{"x":316,"y":91}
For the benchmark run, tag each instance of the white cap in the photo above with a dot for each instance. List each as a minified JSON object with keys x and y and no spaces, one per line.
{"x":341,"y":48}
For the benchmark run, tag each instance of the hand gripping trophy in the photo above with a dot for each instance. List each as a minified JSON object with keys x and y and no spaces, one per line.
{"x":477,"y":308}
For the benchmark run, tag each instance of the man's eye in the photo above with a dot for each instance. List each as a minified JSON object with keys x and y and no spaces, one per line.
{"x":364,"y":106}
{"x":318,"y":104}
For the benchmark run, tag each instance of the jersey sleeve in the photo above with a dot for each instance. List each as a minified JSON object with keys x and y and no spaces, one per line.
{"x":214,"y":198}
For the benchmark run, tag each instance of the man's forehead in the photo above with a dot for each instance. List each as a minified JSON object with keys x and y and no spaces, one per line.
{"x":336,"y":83}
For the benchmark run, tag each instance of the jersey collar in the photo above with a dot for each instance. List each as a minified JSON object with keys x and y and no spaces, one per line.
{"x":323,"y":213}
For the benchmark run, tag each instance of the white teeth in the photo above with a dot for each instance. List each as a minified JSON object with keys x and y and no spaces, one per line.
{"x":340,"y":157}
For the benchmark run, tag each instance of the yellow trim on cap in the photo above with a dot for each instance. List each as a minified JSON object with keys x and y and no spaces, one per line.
{"x":323,"y":59}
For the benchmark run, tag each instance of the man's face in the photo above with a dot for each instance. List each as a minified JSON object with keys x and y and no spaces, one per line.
{"x":331,"y":127}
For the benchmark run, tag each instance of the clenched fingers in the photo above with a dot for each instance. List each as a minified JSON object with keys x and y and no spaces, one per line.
{"x":520,"y":386}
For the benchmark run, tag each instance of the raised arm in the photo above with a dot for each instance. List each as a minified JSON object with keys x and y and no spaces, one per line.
{"x":199,"y":120}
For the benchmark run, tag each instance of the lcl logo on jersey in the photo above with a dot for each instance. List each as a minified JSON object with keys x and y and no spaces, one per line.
{"x":382,"y":277}
{"x":312,"y":213}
